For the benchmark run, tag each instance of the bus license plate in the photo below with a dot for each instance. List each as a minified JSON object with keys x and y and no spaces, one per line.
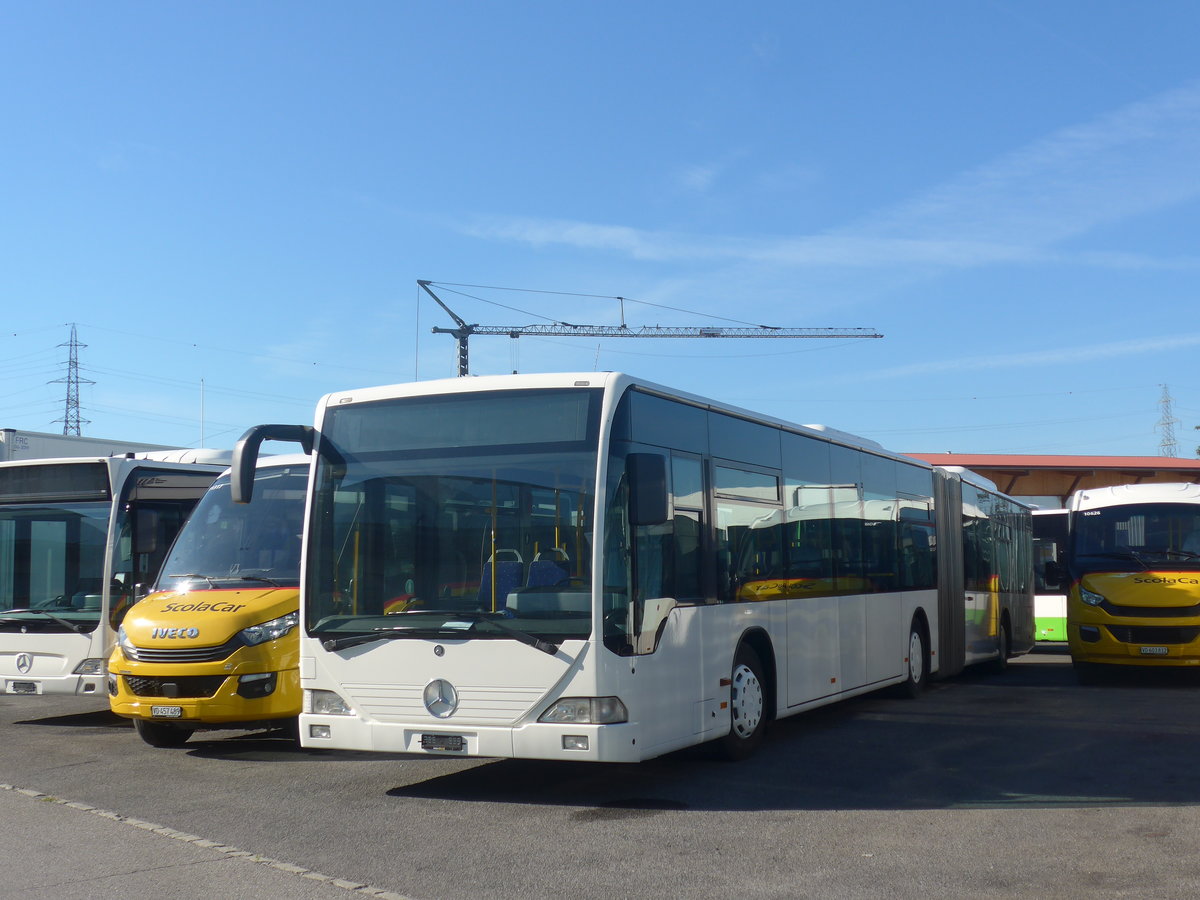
{"x":22,"y":687}
{"x":1153,"y":651}
{"x":453,"y":742}
{"x":166,"y":712}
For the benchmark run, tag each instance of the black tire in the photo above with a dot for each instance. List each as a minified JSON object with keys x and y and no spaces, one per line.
{"x":158,"y":735}
{"x":747,"y":707}
{"x":918,"y":661}
{"x":1000,"y":663}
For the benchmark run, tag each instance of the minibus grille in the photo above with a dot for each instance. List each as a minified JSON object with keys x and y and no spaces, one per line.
{"x":189,"y":654}
{"x":1153,"y":634}
{"x":187,"y":687}
{"x":1151,"y":612}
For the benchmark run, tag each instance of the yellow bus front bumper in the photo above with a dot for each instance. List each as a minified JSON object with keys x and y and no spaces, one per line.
{"x":255,"y":684}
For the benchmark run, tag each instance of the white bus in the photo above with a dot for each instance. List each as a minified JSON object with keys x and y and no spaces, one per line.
{"x":1049,"y":596}
{"x":591,"y":567}
{"x":78,"y":538}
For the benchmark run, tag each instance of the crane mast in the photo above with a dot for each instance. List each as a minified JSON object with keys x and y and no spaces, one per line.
{"x":463,"y":330}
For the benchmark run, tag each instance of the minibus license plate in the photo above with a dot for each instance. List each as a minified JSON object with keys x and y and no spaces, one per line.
{"x":166,"y":712}
{"x":442,"y":742}
{"x":1153,"y":651}
{"x":23,"y":687}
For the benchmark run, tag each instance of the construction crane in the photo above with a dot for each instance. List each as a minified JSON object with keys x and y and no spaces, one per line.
{"x":463,"y":331}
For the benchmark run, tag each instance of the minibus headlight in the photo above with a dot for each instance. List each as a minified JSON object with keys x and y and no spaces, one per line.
{"x":327,"y":703}
{"x":270,"y":631}
{"x":586,"y":711}
{"x":126,"y":644}
{"x":1090,"y":598}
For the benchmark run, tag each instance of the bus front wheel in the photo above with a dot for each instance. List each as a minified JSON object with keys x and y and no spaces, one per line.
{"x":157,"y":735}
{"x":918,"y":654}
{"x":747,"y":706}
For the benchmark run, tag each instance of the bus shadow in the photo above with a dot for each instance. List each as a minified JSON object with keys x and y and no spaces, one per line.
{"x":273,"y":746}
{"x":1028,"y":738}
{"x":100,"y":718}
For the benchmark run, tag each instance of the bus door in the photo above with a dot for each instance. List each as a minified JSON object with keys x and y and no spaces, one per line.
{"x":981,"y":594}
{"x":663,"y":564}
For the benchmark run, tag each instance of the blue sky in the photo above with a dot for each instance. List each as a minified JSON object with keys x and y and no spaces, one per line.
{"x":233,"y":203}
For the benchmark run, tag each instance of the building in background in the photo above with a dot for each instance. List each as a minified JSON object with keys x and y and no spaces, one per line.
{"x":1047,"y":481}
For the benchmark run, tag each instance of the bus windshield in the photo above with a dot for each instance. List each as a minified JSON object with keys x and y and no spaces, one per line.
{"x":51,"y":557}
{"x":1136,"y":537}
{"x":226,"y":543}
{"x":434,"y":515}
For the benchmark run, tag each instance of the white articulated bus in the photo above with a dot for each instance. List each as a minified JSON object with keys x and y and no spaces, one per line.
{"x":591,"y":567}
{"x":78,"y":538}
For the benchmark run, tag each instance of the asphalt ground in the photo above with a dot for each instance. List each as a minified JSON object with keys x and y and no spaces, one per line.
{"x":67,"y":850}
{"x":1011,"y":785}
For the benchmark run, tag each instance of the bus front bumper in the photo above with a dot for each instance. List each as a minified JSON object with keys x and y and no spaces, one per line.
{"x":250,"y":690}
{"x":72,"y":685}
{"x":1121,"y":644}
{"x":581,"y":743}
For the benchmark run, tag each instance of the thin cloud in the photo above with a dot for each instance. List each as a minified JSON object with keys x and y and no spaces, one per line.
{"x":1054,"y":357}
{"x":1139,"y":159}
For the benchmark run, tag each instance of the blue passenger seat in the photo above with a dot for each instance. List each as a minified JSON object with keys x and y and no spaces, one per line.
{"x":546,"y":569}
{"x":507,"y":577}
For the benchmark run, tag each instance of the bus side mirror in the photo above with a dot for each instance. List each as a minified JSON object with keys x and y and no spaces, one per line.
{"x":245,"y":454}
{"x":647,"y":488}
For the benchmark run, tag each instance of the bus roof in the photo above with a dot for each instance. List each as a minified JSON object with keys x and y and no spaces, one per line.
{"x":615,"y":381}
{"x":1123,"y":494}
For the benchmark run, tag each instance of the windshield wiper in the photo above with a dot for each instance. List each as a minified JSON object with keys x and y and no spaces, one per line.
{"x":78,"y":629}
{"x":387,"y":634}
{"x":537,"y":643}
{"x":195,"y":577}
{"x":213,"y":579}
{"x":1119,"y":554}
{"x":263,"y":578}
{"x":1186,"y":554}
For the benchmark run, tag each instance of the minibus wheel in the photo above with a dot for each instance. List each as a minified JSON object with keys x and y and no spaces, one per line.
{"x":157,"y":735}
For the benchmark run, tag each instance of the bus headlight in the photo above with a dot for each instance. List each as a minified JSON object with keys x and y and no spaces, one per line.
{"x":1091,"y":599}
{"x":327,"y":703}
{"x":586,"y":711}
{"x":270,"y":631}
{"x":90,"y":667}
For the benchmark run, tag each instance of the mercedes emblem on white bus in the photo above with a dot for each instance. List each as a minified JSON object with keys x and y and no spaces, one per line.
{"x":24,"y":663}
{"x":440,"y":698}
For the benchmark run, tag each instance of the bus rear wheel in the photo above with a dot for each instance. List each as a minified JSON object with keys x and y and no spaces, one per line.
{"x":747,"y":706}
{"x":157,"y":735}
{"x":1000,"y":663}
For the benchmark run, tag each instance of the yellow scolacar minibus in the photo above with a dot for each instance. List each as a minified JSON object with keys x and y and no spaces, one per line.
{"x":215,"y":644}
{"x":1133,"y":577}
